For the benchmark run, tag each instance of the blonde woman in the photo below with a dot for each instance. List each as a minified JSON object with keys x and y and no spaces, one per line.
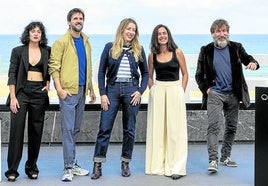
{"x":119,"y":64}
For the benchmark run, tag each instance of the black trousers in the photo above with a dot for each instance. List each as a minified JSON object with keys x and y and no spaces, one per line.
{"x":32,"y":101}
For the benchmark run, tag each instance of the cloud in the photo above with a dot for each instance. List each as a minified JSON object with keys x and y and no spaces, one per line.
{"x":103,"y":16}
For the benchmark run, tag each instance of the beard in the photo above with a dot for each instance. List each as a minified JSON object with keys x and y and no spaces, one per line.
{"x":74,"y":28}
{"x":219,"y":43}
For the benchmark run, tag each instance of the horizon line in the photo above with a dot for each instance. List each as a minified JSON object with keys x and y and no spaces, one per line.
{"x":145,"y":33}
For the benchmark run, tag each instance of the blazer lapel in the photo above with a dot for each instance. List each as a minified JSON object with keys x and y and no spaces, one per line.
{"x":233,"y":53}
{"x":25,"y":57}
{"x":44,"y":58}
{"x":210,"y":52}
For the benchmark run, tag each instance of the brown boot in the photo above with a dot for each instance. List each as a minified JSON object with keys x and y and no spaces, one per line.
{"x":125,"y":169}
{"x":96,"y":171}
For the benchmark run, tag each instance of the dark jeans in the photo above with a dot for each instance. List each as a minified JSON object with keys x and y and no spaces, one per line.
{"x":229,"y":104}
{"x":118,"y":94}
{"x":32,"y":100}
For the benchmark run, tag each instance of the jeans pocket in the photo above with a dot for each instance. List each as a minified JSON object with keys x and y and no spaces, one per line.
{"x":69,"y":100}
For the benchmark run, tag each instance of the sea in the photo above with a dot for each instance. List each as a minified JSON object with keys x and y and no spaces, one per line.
{"x":189,"y":43}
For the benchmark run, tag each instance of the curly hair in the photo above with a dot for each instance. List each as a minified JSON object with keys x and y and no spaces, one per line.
{"x":25,"y":37}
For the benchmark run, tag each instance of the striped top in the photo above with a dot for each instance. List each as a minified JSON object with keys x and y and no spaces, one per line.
{"x":124,"y":68}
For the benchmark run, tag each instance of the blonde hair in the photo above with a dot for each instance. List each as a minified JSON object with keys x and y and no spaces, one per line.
{"x":118,"y":43}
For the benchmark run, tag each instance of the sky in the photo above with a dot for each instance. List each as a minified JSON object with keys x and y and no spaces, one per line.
{"x":104,"y":16}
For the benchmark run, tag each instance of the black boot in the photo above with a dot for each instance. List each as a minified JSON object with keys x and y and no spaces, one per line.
{"x":96,"y":171}
{"x":125,"y":169}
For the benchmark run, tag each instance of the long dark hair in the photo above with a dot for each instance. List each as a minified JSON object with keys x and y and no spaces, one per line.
{"x":25,"y":37}
{"x":154,"y":45}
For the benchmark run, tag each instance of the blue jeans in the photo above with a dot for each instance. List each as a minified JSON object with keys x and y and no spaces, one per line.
{"x":229,"y":104}
{"x":72,"y":109}
{"x":118,"y":94}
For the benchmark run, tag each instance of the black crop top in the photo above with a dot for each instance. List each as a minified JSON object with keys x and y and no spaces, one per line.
{"x":167,"y":71}
{"x":36,"y":68}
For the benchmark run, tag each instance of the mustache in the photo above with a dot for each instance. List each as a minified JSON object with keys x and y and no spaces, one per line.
{"x":220,"y":37}
{"x":223,"y":37}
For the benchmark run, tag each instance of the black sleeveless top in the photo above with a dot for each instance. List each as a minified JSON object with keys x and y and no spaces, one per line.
{"x":168,"y":71}
{"x":38,"y":67}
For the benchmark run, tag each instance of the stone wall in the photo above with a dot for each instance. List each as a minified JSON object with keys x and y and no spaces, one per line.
{"x":197,"y":124}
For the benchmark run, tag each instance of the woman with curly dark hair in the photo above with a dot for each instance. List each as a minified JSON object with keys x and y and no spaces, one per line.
{"x":28,"y":82}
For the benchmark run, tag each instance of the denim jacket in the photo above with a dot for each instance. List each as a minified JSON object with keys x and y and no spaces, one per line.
{"x":110,"y":66}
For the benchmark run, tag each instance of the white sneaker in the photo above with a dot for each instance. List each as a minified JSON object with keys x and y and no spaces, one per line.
{"x":78,"y":171}
{"x":67,"y":175}
{"x":213,"y":166}
{"x":228,"y":162}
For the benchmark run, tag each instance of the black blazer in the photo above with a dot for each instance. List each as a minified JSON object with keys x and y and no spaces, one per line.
{"x":205,"y":74}
{"x":19,"y":65}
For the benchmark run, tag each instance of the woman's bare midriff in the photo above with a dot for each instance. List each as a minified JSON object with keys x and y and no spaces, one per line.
{"x":34,"y":76}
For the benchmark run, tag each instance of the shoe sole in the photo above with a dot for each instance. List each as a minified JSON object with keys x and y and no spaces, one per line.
{"x":11,"y":179}
{"x":125,"y":175}
{"x":95,"y":178}
{"x":66,"y":180}
{"x":227,"y":165}
{"x":77,"y":174}
{"x":212,"y":170}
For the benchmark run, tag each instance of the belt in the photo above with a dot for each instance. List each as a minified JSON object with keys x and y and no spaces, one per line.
{"x":123,"y":79}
